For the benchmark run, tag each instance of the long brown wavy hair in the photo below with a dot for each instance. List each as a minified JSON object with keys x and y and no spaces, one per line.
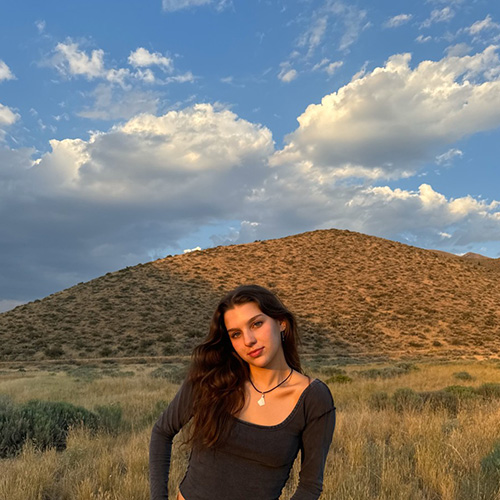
{"x":218,"y":375}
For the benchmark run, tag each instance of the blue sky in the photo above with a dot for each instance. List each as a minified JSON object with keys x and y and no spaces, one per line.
{"x":131,"y":130}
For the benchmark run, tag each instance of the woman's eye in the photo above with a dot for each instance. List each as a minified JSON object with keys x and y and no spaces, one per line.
{"x":235,"y":335}
{"x":257,"y":324}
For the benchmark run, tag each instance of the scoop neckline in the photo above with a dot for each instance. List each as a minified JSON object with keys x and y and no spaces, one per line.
{"x":287,"y":418}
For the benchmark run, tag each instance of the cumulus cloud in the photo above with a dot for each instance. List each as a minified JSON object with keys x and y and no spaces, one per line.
{"x":459,"y":49}
{"x":423,"y":39}
{"x":7,"y":116}
{"x":90,"y":206}
{"x":294,"y":201}
{"x":174,"y":5}
{"x":328,"y":67}
{"x":5,"y":72}
{"x":389,"y":122}
{"x":430,"y":212}
{"x":439,"y":16}
{"x":142,"y":57}
{"x":486,"y":24}
{"x":69,"y":60}
{"x":399,"y":20}
{"x":287,"y":74}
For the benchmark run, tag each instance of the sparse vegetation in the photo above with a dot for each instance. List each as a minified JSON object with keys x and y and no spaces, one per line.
{"x":354,"y":296}
{"x":391,"y":442}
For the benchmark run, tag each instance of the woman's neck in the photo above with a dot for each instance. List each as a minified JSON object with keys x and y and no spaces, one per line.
{"x":267,"y":378}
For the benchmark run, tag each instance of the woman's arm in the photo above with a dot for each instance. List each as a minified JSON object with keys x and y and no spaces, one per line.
{"x":316,"y":440}
{"x":168,"y":425}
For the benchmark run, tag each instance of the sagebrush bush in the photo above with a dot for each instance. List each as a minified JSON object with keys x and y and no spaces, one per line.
{"x":441,"y":400}
{"x":109,"y":418}
{"x":46,"y":423}
{"x":490,"y":464}
{"x":462,"y":392}
{"x":339,"y":379}
{"x":379,"y":401}
{"x":405,"y":399}
{"x":388,"y":371}
{"x":173,"y":373}
{"x":463,"y":376}
{"x":330,"y":371}
{"x":490,"y":390}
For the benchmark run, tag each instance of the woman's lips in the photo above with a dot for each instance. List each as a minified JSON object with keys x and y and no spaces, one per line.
{"x":256,"y":353}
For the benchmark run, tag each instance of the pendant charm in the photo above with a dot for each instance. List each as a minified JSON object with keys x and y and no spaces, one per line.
{"x":261,"y":401}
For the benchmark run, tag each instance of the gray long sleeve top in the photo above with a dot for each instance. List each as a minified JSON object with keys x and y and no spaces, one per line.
{"x":255,"y":461}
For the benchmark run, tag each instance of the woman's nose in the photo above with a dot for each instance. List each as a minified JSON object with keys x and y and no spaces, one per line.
{"x":248,"y":338}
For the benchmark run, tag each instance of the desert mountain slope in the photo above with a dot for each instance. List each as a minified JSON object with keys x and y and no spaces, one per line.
{"x":354,"y":295}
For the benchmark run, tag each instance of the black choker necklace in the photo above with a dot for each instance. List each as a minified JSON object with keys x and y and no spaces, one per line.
{"x":262,"y":401}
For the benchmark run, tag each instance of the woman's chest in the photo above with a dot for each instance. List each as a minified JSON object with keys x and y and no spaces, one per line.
{"x":272,"y":447}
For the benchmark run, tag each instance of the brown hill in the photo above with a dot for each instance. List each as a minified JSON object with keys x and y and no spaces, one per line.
{"x":354,"y":296}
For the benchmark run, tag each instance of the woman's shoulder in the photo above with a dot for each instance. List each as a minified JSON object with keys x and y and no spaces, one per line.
{"x":318,"y":399}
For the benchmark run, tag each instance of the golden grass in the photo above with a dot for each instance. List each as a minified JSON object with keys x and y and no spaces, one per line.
{"x":383,"y":454}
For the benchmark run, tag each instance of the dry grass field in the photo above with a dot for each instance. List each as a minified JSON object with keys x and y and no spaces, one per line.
{"x":383,"y":448}
{"x":354,"y":296}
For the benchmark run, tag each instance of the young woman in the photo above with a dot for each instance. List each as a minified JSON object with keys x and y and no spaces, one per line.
{"x":250,"y":408}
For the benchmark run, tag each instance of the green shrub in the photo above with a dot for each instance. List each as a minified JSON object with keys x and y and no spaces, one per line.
{"x":490,"y":464}
{"x":388,"y":371}
{"x":109,"y":417}
{"x":463,"y":376}
{"x":6,"y":402}
{"x":44,"y":423}
{"x":490,"y":390}
{"x":462,"y":392}
{"x":84,"y":372}
{"x":339,"y":379}
{"x":441,"y":400}
{"x":329,"y":371}
{"x":379,"y":401}
{"x":405,"y":399}
{"x":173,"y":373}
{"x":54,"y":352}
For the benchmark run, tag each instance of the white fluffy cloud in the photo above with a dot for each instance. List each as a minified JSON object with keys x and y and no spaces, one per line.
{"x":287,"y":74}
{"x":486,"y":24}
{"x":439,"y":16}
{"x":328,"y":67}
{"x":7,"y":116}
{"x":89,"y":206}
{"x":398,"y":20}
{"x":71,"y":61}
{"x":5,"y":72}
{"x":293,"y":202}
{"x":389,"y":122}
{"x":142,"y":57}
{"x":383,"y":210}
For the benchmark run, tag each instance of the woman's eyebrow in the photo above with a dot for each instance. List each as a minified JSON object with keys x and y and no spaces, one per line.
{"x":249,"y":321}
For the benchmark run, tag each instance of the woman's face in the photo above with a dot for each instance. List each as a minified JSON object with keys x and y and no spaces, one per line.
{"x":256,"y":337}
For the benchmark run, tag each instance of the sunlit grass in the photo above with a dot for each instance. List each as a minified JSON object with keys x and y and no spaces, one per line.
{"x":376,"y":454}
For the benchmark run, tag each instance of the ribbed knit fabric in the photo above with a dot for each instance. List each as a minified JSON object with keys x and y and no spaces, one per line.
{"x":255,"y":461}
